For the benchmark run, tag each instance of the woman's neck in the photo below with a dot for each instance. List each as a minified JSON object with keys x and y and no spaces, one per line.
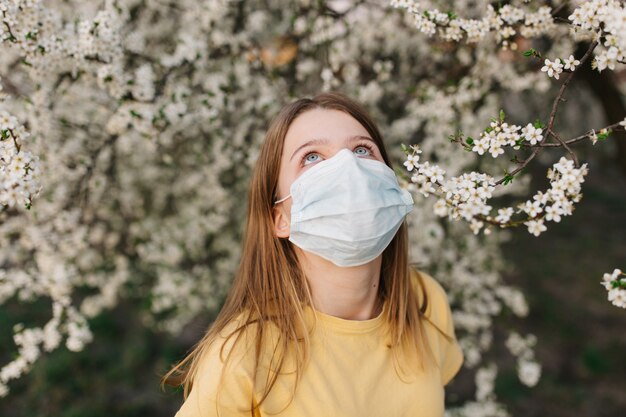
{"x":349,"y":293}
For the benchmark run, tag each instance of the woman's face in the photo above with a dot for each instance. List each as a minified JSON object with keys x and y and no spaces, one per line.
{"x":314,"y":136}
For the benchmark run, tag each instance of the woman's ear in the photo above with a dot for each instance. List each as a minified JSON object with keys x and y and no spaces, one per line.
{"x":281,"y":221}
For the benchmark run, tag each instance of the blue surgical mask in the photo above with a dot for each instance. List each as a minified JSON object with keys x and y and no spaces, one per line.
{"x":347,"y":209}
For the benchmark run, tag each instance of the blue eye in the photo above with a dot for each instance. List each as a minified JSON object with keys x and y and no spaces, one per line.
{"x":364,"y":145}
{"x":310,"y":154}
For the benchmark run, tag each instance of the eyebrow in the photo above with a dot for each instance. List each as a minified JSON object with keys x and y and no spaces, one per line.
{"x":323,"y":141}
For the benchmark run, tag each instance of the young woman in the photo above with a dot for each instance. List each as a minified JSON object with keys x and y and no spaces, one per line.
{"x":326,"y":316}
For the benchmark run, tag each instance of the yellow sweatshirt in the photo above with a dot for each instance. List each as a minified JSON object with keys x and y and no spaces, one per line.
{"x":350,"y":373}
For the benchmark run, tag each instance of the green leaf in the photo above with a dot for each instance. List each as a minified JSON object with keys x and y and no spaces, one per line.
{"x":501,"y":115}
{"x":618,"y":283}
{"x":532,"y":52}
{"x":508,"y":178}
{"x":602,"y":136}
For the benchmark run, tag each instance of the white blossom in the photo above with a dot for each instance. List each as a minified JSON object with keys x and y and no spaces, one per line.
{"x":532,"y":134}
{"x":570,"y":63}
{"x":615,"y":284}
{"x":535,"y":227}
{"x":552,"y":68}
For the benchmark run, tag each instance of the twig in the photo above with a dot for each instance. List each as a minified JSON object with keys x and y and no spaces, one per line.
{"x":555,"y":106}
{"x":558,"y":98}
{"x":569,"y":150}
{"x":577,"y":138}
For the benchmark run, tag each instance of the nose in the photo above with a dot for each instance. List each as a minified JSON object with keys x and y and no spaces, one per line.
{"x":344,"y":150}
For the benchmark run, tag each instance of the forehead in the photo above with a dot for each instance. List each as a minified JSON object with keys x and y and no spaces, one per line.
{"x":335,"y":125}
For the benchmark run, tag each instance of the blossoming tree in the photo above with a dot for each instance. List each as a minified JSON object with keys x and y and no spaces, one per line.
{"x":129,"y":129}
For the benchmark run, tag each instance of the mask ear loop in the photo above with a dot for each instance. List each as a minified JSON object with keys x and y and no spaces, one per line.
{"x":282,"y":199}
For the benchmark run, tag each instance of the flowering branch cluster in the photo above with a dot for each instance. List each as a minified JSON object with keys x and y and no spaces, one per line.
{"x":606,"y":20}
{"x":31,"y":341}
{"x":504,"y":22}
{"x":615,"y":284}
{"x":592,"y":19}
{"x":19,"y":169}
{"x":466,"y":196}
{"x":30,"y":28}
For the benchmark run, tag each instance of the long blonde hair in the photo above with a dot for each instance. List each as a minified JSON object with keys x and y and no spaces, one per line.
{"x":269,"y":285}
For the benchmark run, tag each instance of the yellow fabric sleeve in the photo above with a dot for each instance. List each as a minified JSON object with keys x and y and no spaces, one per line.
{"x":235,"y":397}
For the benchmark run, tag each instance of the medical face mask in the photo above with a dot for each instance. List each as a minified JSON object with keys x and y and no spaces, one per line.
{"x":347,"y":208}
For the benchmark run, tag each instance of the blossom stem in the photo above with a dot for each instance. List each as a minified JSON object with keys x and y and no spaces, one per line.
{"x":614,"y":126}
{"x":566,"y":146}
{"x":558,"y":99}
{"x":555,"y":106}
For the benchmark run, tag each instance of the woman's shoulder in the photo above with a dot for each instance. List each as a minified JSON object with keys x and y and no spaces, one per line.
{"x":236,"y":339}
{"x":438,"y":310}
{"x":439,"y":313}
{"x":237,"y":345}
{"x":425,"y":283}
{"x":224,"y":369}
